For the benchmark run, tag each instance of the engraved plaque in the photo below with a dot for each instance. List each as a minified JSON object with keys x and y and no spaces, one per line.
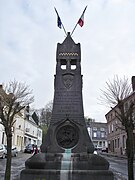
{"x":67,"y":136}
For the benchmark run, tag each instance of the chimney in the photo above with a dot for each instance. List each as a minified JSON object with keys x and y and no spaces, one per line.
{"x":133,"y":83}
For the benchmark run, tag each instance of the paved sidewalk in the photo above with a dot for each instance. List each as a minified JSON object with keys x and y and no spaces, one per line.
{"x":113,"y":155}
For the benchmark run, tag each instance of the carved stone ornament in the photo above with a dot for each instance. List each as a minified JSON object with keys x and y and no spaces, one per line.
{"x":68,"y":80}
{"x":67,"y":136}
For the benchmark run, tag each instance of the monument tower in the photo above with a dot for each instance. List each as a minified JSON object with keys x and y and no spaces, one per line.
{"x":67,"y":152}
{"x":67,"y":126}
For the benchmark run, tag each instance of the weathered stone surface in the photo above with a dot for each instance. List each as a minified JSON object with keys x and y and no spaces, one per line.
{"x":67,"y":152}
{"x":73,"y":175}
{"x":67,"y":128}
{"x":79,"y":161}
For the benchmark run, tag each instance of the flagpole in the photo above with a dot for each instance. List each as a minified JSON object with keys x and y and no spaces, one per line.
{"x":64,"y":29}
{"x":74,"y":28}
{"x":61,"y":22}
{"x":77,"y":21}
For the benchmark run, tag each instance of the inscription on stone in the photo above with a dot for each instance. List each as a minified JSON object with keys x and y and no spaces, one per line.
{"x":67,"y":102}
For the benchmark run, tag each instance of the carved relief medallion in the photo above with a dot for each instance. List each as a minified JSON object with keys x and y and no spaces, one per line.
{"x":67,"y":136}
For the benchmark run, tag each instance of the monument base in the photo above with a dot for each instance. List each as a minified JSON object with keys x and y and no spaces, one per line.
{"x":38,"y":174}
{"x":66,"y":166}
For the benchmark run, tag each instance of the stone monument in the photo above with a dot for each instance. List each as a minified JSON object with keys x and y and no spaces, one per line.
{"x":67,"y":152}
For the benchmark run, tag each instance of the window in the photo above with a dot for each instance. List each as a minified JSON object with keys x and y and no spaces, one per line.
{"x":109,"y":128}
{"x":118,"y":142}
{"x":27,"y":130}
{"x":67,"y":63}
{"x":100,"y":143}
{"x":63,"y":67}
{"x":3,"y":135}
{"x":112,"y":128}
{"x":95,"y":128}
{"x":98,"y":134}
{"x":12,"y":129}
{"x":111,"y":116}
{"x":115,"y":143}
{"x":102,"y":129}
{"x":39,"y":133}
{"x":124,"y":141}
{"x":73,"y":67}
{"x":126,"y":106}
{"x":73,"y":64}
{"x":73,"y":61}
{"x":17,"y":140}
{"x":94,"y":134}
{"x":63,"y":64}
{"x":102,"y":134}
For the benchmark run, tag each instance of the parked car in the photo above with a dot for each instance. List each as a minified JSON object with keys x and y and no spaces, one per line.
{"x":105,"y":149}
{"x":29,"y":148}
{"x":14,"y":151}
{"x":95,"y":152}
{"x":3,"y":151}
{"x":98,"y":148}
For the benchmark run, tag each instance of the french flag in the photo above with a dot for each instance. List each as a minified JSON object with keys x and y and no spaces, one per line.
{"x":81,"y":20}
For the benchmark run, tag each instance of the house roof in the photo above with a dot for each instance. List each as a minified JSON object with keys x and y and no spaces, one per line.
{"x":124,"y":100}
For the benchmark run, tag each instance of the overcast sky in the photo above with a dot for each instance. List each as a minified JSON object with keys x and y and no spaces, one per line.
{"x":29,"y":36}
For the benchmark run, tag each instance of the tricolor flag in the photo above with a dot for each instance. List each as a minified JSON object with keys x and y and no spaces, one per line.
{"x":81,"y":20}
{"x":59,"y":22}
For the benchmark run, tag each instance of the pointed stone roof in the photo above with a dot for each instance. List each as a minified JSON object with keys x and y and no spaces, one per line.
{"x":68,"y":40}
{"x":68,"y":47}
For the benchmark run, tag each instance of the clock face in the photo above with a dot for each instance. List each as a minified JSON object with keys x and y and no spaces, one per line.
{"x":67,"y":136}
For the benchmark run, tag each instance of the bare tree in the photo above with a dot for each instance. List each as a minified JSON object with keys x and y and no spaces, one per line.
{"x":45,"y":118}
{"x":14,"y":96}
{"x":46,"y":113}
{"x":88,"y":120}
{"x":115,"y":95}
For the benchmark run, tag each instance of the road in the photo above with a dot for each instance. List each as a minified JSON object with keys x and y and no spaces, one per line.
{"x":117,"y":165}
{"x":18,"y":163}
